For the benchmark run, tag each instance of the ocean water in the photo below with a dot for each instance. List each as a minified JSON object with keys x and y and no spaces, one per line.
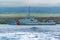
{"x":30,"y":36}
{"x":30,"y":9}
{"x":29,"y":32}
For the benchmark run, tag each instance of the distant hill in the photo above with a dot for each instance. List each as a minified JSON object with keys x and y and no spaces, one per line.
{"x":32,"y":9}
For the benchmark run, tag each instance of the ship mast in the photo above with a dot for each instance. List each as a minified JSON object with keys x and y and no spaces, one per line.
{"x":29,"y":11}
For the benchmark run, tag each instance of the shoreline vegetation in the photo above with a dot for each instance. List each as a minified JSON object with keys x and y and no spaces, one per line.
{"x":6,"y":16}
{"x":31,"y":14}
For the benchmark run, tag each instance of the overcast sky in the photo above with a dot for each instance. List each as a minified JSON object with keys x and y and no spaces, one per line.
{"x":17,"y":3}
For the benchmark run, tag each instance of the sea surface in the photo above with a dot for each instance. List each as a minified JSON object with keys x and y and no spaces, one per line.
{"x":29,"y":32}
{"x":30,"y":9}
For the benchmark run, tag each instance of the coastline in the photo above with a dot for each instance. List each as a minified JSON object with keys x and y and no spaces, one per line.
{"x":26,"y":14}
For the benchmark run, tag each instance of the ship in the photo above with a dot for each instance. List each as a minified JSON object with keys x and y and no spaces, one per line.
{"x":33,"y":21}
